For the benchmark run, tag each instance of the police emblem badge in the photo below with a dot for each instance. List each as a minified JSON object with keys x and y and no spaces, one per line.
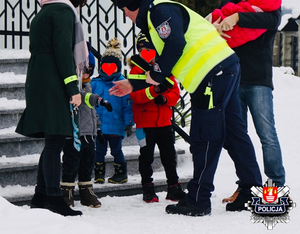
{"x":164,"y":30}
{"x":270,"y":204}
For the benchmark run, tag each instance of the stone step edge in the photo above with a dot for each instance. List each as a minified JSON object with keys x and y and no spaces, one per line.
{"x":13,"y":136}
{"x":127,"y":189}
{"x":17,"y":166}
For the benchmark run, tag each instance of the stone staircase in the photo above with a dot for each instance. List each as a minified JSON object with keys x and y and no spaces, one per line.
{"x":19,"y":155}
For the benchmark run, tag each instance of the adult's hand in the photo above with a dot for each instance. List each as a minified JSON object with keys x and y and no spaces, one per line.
{"x":121,"y":88}
{"x":76,"y":100}
{"x":149,"y":80}
{"x":229,"y":22}
{"x":219,"y":29}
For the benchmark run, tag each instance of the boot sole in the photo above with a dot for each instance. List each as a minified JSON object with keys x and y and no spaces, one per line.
{"x":117,"y":182}
{"x":151,"y":201}
{"x":99,"y":181}
{"x":91,"y":206}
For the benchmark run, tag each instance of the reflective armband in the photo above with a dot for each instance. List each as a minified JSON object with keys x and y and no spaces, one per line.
{"x":148,"y":94}
{"x":136,"y":77}
{"x":70,"y":79}
{"x":87,"y":99}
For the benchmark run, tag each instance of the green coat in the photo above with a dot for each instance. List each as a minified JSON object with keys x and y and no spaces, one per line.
{"x":47,"y":97}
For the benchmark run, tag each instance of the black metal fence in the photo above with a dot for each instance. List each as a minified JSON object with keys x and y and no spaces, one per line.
{"x":101,"y":21}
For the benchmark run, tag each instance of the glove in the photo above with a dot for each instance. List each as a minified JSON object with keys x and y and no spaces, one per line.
{"x":128,"y":130}
{"x":160,"y":88}
{"x":160,"y":100}
{"x":100,"y":136}
{"x":106,"y":104}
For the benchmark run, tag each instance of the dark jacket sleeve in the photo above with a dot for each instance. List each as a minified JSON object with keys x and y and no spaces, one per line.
{"x":264,"y":20}
{"x":63,"y":44}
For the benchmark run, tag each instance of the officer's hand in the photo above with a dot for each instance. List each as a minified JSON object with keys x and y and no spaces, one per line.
{"x":160,"y":100}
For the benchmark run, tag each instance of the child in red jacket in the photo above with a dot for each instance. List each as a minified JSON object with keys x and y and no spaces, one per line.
{"x":240,"y":35}
{"x":152,"y":113}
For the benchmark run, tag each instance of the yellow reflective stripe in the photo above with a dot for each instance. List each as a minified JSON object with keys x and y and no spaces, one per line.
{"x":210,"y":94}
{"x":148,"y":94}
{"x":70,"y":79}
{"x":87,"y":99}
{"x":170,"y":81}
{"x":136,"y":77}
{"x":189,"y":54}
{"x":204,"y":65}
{"x":134,"y":63}
{"x":155,"y":37}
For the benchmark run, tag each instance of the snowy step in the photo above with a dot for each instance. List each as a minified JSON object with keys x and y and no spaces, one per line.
{"x":13,"y":144}
{"x":12,"y":90}
{"x":15,"y":61}
{"x":9,"y":117}
{"x":17,"y":66}
{"x":23,"y":170}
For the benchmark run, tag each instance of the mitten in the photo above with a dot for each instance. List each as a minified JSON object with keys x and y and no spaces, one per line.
{"x":100,"y":136}
{"x":160,"y":100}
{"x":106,"y":104}
{"x":128,"y":130}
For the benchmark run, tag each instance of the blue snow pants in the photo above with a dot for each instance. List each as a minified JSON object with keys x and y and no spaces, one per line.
{"x":213,"y":128}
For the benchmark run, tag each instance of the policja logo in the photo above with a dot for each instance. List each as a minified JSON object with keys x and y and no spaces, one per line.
{"x":270,"y":204}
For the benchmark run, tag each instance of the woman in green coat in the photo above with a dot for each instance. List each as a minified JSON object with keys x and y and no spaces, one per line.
{"x":58,"y":53}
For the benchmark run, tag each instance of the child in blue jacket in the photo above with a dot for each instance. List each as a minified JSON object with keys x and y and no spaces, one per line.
{"x":113,"y":124}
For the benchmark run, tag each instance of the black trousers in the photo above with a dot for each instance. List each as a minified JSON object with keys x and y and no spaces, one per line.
{"x":164,"y":138}
{"x":78,"y":163}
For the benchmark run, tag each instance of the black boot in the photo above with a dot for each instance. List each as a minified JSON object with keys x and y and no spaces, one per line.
{"x":87,"y":195}
{"x":149,"y":193}
{"x":175,"y":193}
{"x":68,"y":192}
{"x":238,"y":204}
{"x":120,"y":176}
{"x":38,"y":200}
{"x":183,"y":208}
{"x":58,"y":205}
{"x":99,"y":173}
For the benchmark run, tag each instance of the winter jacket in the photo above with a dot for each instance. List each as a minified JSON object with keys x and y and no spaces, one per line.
{"x":256,"y":57}
{"x":240,"y":36}
{"x":89,"y":122}
{"x":51,"y":62}
{"x":146,"y":113}
{"x":112,"y":122}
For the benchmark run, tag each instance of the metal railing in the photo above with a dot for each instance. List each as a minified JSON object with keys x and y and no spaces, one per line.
{"x":101,"y":21}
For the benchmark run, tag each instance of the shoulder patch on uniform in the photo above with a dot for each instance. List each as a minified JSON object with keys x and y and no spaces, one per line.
{"x":156,"y":67}
{"x":164,"y":29}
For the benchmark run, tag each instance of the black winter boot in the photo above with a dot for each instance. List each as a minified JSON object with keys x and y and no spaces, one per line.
{"x":38,"y":200}
{"x":87,"y":195}
{"x":149,"y":193}
{"x":175,"y":193}
{"x":99,"y":173}
{"x":183,"y":208}
{"x":120,"y":176}
{"x":58,"y":205}
{"x":239,"y":203}
{"x":68,"y":192}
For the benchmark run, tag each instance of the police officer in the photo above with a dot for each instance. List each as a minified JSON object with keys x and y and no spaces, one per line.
{"x":191,"y":49}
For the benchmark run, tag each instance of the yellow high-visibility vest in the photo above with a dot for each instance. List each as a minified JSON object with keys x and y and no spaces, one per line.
{"x":204,"y":49}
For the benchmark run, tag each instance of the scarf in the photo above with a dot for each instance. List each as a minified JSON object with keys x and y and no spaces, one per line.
{"x":80,"y":50}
